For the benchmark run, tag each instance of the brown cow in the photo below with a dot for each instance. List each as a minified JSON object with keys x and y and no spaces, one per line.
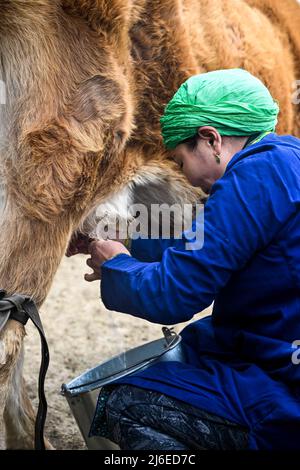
{"x":86,"y":82}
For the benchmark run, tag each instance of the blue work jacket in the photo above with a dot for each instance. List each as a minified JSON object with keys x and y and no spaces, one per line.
{"x":242,"y":361}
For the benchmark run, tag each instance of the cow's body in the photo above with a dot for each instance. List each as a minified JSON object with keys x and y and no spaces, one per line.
{"x":87,"y":81}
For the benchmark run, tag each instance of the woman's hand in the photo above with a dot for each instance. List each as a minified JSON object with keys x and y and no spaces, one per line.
{"x":101,"y":251}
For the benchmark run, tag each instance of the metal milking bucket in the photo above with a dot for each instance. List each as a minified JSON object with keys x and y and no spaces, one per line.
{"x":82,"y":392}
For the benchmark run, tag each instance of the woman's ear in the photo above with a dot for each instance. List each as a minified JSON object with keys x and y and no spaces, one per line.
{"x":207,"y":133}
{"x":212,"y":136}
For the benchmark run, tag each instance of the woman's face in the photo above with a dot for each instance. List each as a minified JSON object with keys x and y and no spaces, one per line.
{"x":199,"y":164}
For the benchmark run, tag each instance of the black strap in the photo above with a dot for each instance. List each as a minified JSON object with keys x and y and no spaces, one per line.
{"x":20,"y":308}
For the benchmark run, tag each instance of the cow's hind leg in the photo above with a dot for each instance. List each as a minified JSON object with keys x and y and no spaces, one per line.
{"x":15,"y":405}
{"x":19,"y":416}
{"x":19,"y":428}
{"x":18,"y":412}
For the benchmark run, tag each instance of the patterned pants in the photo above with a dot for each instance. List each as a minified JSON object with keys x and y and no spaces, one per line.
{"x":139,"y":419}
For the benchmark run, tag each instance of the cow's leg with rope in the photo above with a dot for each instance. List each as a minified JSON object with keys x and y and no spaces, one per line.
{"x":24,"y":430}
{"x":19,"y":416}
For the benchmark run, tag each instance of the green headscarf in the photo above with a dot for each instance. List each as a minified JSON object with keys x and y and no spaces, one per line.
{"x":233,"y":101}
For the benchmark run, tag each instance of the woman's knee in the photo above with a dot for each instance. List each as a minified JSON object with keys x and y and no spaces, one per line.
{"x":125,"y":397}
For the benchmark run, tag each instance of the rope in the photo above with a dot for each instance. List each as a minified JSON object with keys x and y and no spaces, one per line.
{"x":21,"y":308}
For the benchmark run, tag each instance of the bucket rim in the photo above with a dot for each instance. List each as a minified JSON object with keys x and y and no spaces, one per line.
{"x":72,"y":390}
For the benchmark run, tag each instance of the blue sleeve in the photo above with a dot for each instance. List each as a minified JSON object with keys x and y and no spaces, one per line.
{"x":246,"y":209}
{"x":150,"y":250}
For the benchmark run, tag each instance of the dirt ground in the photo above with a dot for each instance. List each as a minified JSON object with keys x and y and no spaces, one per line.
{"x":80,"y":333}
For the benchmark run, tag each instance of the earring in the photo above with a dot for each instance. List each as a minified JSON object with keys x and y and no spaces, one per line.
{"x":218,"y":158}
